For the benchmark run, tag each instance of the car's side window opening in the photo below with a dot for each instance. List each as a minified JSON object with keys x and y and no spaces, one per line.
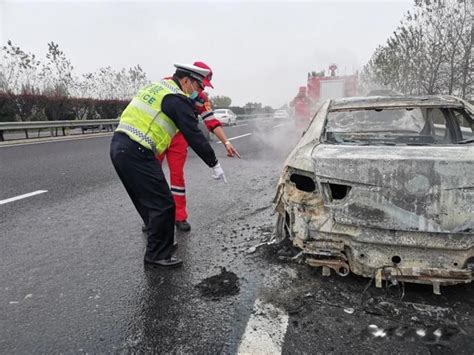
{"x":435,"y":118}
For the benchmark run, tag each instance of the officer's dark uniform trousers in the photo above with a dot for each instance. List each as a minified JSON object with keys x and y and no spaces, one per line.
{"x":143,"y":178}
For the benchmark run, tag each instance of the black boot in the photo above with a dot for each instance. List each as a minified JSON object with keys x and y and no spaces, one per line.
{"x":169,"y":263}
{"x":182,"y":226}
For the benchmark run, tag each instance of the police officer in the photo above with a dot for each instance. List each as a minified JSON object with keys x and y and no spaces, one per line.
{"x":145,"y":130}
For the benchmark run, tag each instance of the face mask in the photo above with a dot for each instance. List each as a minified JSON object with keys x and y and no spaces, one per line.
{"x":193,"y":96}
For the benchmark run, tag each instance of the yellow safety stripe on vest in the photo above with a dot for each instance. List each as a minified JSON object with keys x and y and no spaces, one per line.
{"x":155,"y":114}
{"x":144,"y":107}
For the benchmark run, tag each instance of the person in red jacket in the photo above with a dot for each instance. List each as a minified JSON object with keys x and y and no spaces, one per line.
{"x":177,"y":152}
{"x":302,"y":105}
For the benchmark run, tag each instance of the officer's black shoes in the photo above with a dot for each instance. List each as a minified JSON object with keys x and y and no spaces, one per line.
{"x":182,"y":226}
{"x":174,"y":248}
{"x":165,"y":263}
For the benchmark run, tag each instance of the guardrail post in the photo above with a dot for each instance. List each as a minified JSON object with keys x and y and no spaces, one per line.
{"x":26,"y":134}
{"x":1,"y":137}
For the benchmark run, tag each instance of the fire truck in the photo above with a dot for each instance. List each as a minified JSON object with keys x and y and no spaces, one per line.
{"x":321,"y":87}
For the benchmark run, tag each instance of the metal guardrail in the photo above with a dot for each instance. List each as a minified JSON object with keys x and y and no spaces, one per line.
{"x":39,"y":125}
{"x":12,"y":126}
{"x":63,"y":125}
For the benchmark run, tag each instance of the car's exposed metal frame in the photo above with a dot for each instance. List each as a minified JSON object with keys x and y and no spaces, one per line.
{"x":333,"y":236}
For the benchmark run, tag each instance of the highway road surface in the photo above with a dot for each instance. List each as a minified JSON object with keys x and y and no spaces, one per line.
{"x":72,"y":277}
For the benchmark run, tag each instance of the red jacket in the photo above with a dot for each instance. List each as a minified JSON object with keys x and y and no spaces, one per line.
{"x":302,"y":106}
{"x":204,"y":109}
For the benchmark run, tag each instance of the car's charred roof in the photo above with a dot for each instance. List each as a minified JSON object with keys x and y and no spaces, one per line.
{"x":374,"y":102}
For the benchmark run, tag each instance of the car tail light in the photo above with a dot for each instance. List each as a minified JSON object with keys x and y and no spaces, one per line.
{"x":303,"y":183}
{"x":335,"y":192}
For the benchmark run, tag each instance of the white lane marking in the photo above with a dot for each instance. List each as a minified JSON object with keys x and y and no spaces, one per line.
{"x":237,"y":137}
{"x":53,"y":140}
{"x":20,"y":197}
{"x":265,"y":331}
{"x":280,"y":125}
{"x":241,"y":125}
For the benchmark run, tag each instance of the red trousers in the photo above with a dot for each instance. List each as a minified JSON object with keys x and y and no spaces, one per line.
{"x":176,"y":157}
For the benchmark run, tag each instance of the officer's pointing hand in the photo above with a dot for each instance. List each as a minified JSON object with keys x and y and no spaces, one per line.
{"x":218,"y":173}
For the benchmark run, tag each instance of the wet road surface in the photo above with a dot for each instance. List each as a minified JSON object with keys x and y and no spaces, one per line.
{"x":73,"y":281}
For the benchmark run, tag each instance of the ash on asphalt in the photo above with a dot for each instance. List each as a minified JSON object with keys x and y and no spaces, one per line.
{"x":224,"y":284}
{"x":285,"y":251}
{"x":349,"y":314}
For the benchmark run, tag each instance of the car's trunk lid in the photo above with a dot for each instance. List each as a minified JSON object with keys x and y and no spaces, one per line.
{"x":428,"y":188}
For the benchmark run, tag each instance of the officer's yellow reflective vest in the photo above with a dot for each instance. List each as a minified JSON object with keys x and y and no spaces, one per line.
{"x":144,"y":122}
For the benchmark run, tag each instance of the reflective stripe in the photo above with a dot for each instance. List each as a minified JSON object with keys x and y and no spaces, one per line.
{"x":166,"y":126}
{"x":182,"y":188}
{"x":171,"y":88}
{"x":144,"y":107}
{"x":139,"y":134}
{"x":207,"y":115}
{"x":154,"y":113}
{"x":178,"y":190}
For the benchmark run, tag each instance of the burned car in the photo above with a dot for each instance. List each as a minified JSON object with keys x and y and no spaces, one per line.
{"x":384,"y":187}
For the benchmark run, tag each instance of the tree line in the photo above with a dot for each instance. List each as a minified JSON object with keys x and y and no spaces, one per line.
{"x":50,"y":89}
{"x":431,"y":52}
{"x":32,"y":89}
{"x":22,"y":72}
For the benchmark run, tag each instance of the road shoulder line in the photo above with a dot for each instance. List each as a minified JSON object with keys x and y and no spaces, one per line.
{"x":265,"y":330}
{"x":20,"y":197}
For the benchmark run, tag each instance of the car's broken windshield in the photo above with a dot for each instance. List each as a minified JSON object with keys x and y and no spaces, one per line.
{"x":410,"y":126}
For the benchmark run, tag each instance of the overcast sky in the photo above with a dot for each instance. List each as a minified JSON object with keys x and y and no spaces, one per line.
{"x":259,"y":51}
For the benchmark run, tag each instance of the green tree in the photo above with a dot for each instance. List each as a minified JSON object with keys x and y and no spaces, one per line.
{"x":268,"y":109}
{"x":221,"y":101}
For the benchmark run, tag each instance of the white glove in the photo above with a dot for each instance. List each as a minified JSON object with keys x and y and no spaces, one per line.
{"x":218,"y":173}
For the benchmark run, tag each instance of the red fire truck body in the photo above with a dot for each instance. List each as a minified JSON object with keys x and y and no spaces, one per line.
{"x":321,"y":87}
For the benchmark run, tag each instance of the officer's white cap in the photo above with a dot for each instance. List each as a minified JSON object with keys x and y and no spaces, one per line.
{"x":197,"y":73}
